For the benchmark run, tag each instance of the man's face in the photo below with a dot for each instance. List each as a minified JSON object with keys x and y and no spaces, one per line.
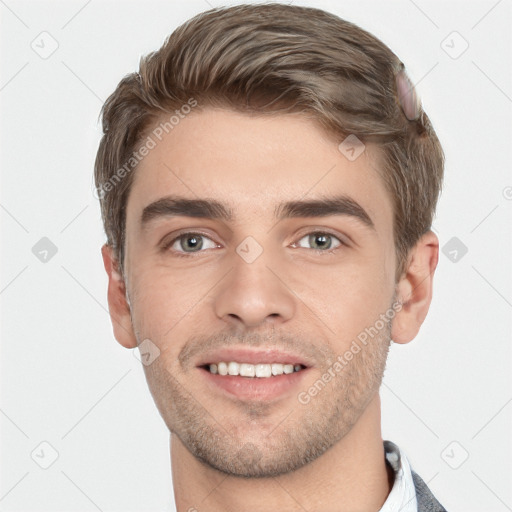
{"x":304,"y":285}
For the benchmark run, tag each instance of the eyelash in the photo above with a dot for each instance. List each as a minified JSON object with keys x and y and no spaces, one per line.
{"x":166,"y":246}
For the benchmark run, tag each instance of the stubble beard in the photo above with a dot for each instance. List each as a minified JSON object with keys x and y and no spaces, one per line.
{"x":239,"y":446}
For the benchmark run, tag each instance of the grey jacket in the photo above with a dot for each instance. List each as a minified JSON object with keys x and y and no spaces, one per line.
{"x":426,"y":500}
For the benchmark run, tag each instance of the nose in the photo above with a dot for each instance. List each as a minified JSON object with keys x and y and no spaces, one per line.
{"x":254,"y":294}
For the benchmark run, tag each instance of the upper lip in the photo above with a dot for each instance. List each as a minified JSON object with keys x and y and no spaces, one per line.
{"x":243,"y":355}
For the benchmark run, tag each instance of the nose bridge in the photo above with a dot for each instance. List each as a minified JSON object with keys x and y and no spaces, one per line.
{"x":252,"y":293}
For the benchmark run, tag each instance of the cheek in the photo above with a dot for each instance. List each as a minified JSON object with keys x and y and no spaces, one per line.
{"x":352,"y":299}
{"x":160,"y":302}
{"x":171,"y":305}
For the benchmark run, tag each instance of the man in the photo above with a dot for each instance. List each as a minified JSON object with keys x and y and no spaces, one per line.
{"x":267,"y":182}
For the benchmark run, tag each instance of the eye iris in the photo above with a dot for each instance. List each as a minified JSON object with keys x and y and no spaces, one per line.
{"x":313,"y":241}
{"x":197,"y":242}
{"x":190,"y":243}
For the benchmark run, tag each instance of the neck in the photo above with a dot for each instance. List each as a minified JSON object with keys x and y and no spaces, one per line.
{"x":351,"y":476}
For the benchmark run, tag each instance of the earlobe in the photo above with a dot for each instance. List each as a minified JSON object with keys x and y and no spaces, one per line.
{"x":414,"y":289}
{"x":118,"y":306}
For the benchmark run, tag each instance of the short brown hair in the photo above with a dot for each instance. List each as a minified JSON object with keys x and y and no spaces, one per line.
{"x":272,"y":59}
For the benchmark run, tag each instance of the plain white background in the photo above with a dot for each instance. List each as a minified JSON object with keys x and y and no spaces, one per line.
{"x":447,"y":396}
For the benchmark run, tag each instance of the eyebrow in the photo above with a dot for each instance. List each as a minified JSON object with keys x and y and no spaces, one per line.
{"x":171,"y":206}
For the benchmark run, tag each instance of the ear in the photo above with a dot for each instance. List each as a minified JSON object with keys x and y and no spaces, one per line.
{"x":118,"y":307}
{"x":414,"y":289}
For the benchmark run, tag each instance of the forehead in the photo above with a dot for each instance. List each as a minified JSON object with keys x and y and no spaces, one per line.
{"x":254,"y":163}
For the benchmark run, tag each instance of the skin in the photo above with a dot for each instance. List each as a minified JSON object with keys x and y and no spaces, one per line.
{"x":241,"y":455}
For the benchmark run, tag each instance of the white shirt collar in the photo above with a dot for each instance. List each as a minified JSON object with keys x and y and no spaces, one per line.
{"x":402,"y":497}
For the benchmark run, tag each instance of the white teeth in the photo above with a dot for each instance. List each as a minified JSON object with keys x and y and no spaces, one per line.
{"x":277,"y":369}
{"x":247,"y":370}
{"x":253,"y":370}
{"x":233,"y":368}
{"x":263,"y":370}
{"x":223,"y":368}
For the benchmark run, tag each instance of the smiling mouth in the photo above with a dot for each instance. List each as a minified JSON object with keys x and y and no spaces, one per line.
{"x":262,"y":382}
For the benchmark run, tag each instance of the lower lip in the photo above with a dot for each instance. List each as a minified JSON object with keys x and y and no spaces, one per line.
{"x":255,"y":388}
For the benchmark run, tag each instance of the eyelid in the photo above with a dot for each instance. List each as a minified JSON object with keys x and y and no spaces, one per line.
{"x":166,"y":244}
{"x":344,"y":239}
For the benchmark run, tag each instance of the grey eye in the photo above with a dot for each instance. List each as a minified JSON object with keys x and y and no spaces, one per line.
{"x":320,"y":241}
{"x":191,"y":242}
